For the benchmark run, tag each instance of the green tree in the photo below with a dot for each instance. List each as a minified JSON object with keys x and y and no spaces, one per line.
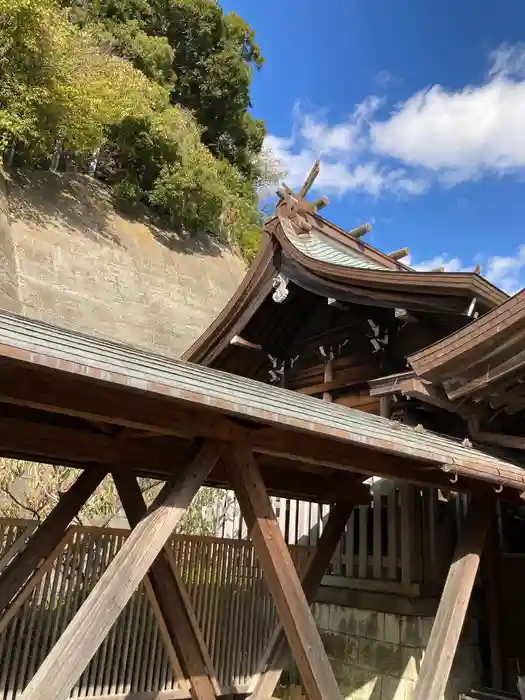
{"x":57,"y":86}
{"x":213,"y":56}
{"x":30,"y":491}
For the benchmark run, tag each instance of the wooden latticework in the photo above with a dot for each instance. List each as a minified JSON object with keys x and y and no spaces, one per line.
{"x":225,"y":584}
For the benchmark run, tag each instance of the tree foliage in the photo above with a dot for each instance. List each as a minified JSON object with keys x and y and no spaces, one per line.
{"x":57,"y":87}
{"x":30,"y":491}
{"x":158,"y":90}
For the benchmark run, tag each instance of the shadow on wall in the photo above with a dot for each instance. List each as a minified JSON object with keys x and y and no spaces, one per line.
{"x":79,"y":203}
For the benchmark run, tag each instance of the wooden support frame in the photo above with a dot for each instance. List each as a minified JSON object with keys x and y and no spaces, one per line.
{"x":490,"y":567}
{"x":33,"y":581}
{"x":73,"y":651}
{"x":275,"y":655}
{"x":168,"y":589}
{"x":281,"y":577}
{"x":454,"y":602}
{"x":48,"y":536}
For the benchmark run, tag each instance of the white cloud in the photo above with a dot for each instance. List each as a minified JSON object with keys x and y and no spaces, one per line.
{"x":506,"y":272}
{"x":436,"y":135}
{"x":342,"y":149}
{"x":508,"y":60}
{"x":384,"y":78}
{"x":450,"y":264}
{"x":462,"y":134}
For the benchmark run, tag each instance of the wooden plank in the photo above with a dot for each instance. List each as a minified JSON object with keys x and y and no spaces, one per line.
{"x":73,"y":651}
{"x":18,"y":544}
{"x":273,"y":661}
{"x":377,"y":539}
{"x":166,"y":591}
{"x":328,"y":377}
{"x":453,"y":605}
{"x":48,"y":535}
{"x":363,"y":542}
{"x":32,"y":582}
{"x":490,"y":568}
{"x":281,"y":577}
{"x":407,"y":521}
{"x":392,"y":517}
{"x":350,"y":545}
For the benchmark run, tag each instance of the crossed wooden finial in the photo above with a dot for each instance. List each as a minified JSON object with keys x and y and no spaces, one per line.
{"x":294,"y":205}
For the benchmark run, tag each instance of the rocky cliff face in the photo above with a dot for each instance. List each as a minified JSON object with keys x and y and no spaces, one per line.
{"x":69,"y":258}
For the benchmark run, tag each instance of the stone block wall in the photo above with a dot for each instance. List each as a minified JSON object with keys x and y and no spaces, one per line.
{"x":377,"y":655}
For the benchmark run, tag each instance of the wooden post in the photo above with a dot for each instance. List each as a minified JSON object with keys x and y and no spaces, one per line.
{"x":328,"y":375}
{"x":453,"y":605}
{"x":281,"y":577}
{"x":276,"y":653}
{"x":173,"y":601}
{"x":48,"y":536}
{"x":82,"y":637}
{"x":490,"y":567}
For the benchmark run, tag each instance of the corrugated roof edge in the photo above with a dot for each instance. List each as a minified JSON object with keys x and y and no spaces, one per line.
{"x":44,"y":345}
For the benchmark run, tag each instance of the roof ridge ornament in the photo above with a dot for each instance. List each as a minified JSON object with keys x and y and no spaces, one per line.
{"x":294,"y":206}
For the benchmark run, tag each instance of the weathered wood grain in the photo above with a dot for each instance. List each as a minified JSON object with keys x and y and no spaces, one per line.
{"x":282,"y":578}
{"x":73,"y":651}
{"x":453,"y":605}
{"x":48,"y":535}
{"x":275,"y":656}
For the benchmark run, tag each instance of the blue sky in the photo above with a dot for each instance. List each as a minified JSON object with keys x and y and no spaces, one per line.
{"x":417,"y":111}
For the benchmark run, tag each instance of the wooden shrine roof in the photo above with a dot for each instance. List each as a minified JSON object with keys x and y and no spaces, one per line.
{"x":484,"y":359}
{"x":89,"y":400}
{"x":330,"y":263}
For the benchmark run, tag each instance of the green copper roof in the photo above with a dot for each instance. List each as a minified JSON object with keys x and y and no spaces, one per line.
{"x":319,"y":247}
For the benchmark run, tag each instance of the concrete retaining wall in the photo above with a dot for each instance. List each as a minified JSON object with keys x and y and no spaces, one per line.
{"x":85,"y":266}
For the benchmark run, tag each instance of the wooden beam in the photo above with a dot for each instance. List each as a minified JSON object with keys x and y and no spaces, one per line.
{"x":48,"y":536}
{"x":328,"y":376}
{"x":78,"y":396}
{"x":281,"y":577}
{"x":82,"y":637}
{"x":399,"y":254}
{"x":502,"y":372}
{"x":174,"y":604}
{"x":312,"y":175}
{"x":275,"y":655}
{"x":490,"y":573}
{"x":360,"y":231}
{"x":454,"y":602}
{"x":155,"y":457}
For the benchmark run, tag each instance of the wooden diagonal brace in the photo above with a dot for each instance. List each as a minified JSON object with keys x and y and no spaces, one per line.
{"x":173,"y":600}
{"x":446,"y":630}
{"x":275,"y":655}
{"x":281,"y":577}
{"x":82,"y":637}
{"x":47,"y":537}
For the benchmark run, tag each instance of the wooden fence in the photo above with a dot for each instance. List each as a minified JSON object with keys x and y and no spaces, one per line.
{"x":404,"y":536}
{"x":396,"y":543}
{"x":224,"y":581}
